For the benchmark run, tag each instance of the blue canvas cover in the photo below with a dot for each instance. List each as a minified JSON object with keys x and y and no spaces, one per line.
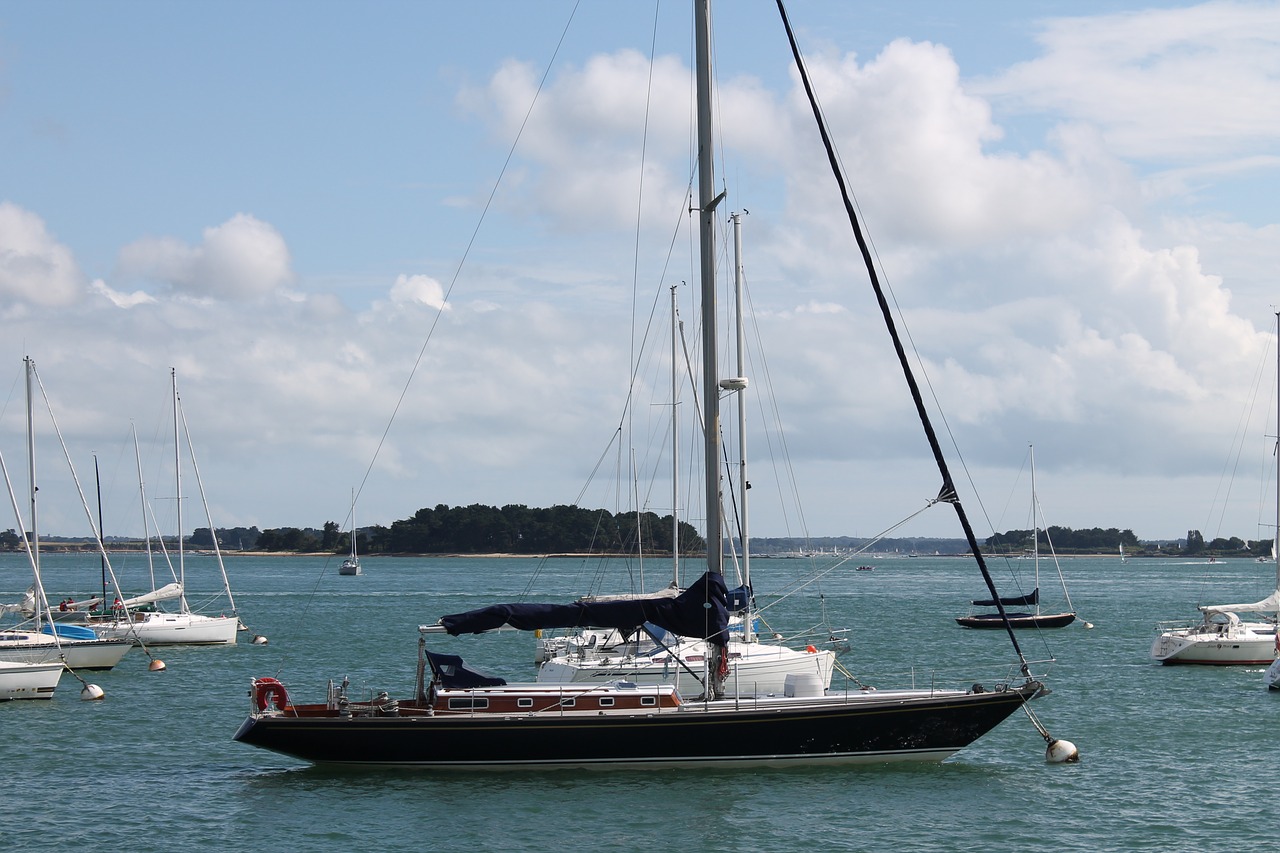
{"x":699,"y":612}
{"x":450,"y":671}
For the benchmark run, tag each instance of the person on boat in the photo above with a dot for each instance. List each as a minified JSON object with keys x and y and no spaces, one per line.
{"x":62,"y":605}
{"x":71,"y":603}
{"x":116,"y":605}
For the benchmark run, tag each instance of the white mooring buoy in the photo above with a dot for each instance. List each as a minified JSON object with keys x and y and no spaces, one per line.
{"x":1062,"y":752}
{"x":259,"y":640}
{"x":157,"y":665}
{"x":91,"y":692}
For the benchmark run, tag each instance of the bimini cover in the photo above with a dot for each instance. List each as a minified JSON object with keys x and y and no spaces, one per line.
{"x":698,"y":612}
{"x":1011,"y":601}
{"x":450,"y":671}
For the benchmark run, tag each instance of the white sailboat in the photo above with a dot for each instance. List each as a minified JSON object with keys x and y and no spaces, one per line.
{"x":183,"y":626}
{"x":19,"y":680}
{"x":1222,"y":638}
{"x":33,"y":640}
{"x":351,"y":565}
{"x":754,"y":667}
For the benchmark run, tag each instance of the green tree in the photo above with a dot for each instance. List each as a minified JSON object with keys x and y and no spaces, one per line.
{"x":1195,"y":542}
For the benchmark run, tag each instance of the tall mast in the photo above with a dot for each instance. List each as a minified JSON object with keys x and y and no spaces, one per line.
{"x":34,"y":540}
{"x":102,"y":558}
{"x":740,"y":386}
{"x":707,"y":202}
{"x":177,"y":479}
{"x":1275,"y":543}
{"x":1035,"y":523}
{"x":675,"y":446}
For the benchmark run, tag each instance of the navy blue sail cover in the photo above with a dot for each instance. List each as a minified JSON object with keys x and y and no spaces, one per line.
{"x":1013,"y":600}
{"x":700,"y":612}
{"x":450,"y":671}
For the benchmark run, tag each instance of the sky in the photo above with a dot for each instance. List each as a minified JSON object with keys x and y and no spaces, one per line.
{"x":424,"y":251}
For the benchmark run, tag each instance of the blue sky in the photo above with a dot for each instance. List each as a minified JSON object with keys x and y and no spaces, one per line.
{"x":1071,"y":201}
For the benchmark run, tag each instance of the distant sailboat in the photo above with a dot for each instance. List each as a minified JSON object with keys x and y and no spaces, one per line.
{"x":1123,"y":558}
{"x":1038,"y":618}
{"x":351,"y":565}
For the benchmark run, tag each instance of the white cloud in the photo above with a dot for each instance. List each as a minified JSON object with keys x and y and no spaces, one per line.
{"x":122,"y":300}
{"x":34,"y":267}
{"x":241,"y":259}
{"x":1187,"y":84}
{"x":421,"y":289}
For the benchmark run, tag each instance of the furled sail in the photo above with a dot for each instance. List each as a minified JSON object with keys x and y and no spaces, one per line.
{"x":164,"y":593}
{"x":1270,"y":604}
{"x":25,"y":606}
{"x":700,"y":611}
{"x":1029,"y":599}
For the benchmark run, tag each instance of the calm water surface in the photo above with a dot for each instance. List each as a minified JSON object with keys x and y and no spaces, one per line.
{"x":1173,"y":757}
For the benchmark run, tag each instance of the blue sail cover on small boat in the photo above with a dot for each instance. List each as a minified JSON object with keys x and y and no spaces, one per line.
{"x":1014,"y":600}
{"x":700,"y":612}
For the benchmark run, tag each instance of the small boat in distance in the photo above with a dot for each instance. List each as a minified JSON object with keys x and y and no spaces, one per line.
{"x":1037,"y":618}
{"x":351,"y":565}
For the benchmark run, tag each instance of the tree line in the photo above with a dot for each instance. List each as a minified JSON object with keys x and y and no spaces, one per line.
{"x":479,"y":529}
{"x":518,"y":529}
{"x":1064,"y":540}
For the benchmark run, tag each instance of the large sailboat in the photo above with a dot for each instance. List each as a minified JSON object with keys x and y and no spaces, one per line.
{"x":1221,"y":637}
{"x":156,"y":625}
{"x":1037,"y":618}
{"x":459,"y":719}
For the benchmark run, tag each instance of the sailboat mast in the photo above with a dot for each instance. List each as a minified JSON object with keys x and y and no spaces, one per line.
{"x":707,"y":202}
{"x":1275,"y":547}
{"x":177,"y":475}
{"x":1035,"y":523}
{"x":102,"y":558}
{"x":31,"y":465}
{"x":947,"y":493}
{"x":34,"y":536}
{"x":675,"y":445}
{"x":741,"y":387}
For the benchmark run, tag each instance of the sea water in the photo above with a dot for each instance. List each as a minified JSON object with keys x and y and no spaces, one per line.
{"x":1173,"y":758}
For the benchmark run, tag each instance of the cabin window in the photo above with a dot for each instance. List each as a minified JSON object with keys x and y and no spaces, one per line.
{"x":468,"y":703}
{"x":568,"y":703}
{"x":524,"y":702}
{"x":648,"y":701}
{"x":606,"y":701}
